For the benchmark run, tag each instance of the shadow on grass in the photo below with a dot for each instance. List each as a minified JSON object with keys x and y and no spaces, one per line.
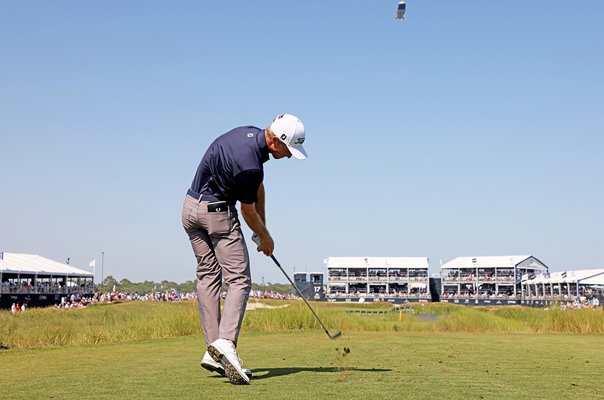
{"x":266,"y":373}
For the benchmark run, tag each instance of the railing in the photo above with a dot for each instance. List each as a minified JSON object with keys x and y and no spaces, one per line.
{"x":377,"y":279}
{"x":481,"y":278}
{"x":380,"y":295}
{"x":480,"y":296}
{"x":45,"y":290}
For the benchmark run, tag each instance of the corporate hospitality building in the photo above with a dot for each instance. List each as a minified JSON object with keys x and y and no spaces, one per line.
{"x":475,"y":280}
{"x":39,"y":281}
{"x":393,"y":279}
{"x":487,"y":280}
{"x":564,"y":286}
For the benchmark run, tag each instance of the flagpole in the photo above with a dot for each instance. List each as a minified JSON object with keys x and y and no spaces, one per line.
{"x":92,"y":264}
{"x":102,"y":266}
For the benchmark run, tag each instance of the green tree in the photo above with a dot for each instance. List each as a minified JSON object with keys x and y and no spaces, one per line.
{"x":273,"y":287}
{"x":127,"y":286}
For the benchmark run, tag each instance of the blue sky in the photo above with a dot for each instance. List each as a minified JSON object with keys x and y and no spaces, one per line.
{"x":469,"y":128}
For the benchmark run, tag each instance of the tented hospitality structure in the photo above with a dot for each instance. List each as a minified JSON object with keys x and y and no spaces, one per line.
{"x":37,"y":280}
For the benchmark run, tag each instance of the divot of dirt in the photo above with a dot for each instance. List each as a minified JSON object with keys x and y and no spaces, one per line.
{"x":255,"y":305}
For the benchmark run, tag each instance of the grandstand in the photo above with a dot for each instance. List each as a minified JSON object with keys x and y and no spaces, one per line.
{"x":487,"y":280}
{"x":39,"y":281}
{"x":392,"y":279}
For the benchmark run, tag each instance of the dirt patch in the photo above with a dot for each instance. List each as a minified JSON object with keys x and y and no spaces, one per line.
{"x":254,"y":305}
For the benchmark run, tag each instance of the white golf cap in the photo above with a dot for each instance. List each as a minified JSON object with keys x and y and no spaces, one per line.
{"x":290,"y":130}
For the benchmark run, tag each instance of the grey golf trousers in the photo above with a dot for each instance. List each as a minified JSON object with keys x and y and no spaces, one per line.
{"x":221,"y":253}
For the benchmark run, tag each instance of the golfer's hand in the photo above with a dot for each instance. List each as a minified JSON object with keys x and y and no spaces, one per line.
{"x":265,"y":244}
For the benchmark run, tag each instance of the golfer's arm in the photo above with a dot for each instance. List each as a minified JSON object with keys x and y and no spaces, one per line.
{"x":253,"y":214}
{"x":260,"y":204}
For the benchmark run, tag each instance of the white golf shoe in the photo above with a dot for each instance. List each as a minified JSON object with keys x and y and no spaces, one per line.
{"x":212,"y":365}
{"x":208,"y":363}
{"x":223,"y":350}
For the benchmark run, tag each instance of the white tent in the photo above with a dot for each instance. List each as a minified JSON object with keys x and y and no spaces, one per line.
{"x":580,"y":276}
{"x":18,"y":263}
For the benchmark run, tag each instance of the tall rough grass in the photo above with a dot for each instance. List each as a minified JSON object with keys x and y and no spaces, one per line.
{"x":148,"y":320}
{"x":98,"y":324}
{"x":516,"y":319}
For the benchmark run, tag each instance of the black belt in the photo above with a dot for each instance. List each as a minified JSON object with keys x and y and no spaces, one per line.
{"x":202,"y":196}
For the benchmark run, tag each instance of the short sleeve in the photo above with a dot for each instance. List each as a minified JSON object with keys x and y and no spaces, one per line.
{"x":247,"y":183}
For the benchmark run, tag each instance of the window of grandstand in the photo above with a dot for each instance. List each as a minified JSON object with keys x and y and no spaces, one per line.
{"x":450,"y":274}
{"x":337,"y":289}
{"x":358,"y":274}
{"x":486,"y":274}
{"x":418,"y":273}
{"x":395,"y":288}
{"x":377,"y":289}
{"x":467,"y":274}
{"x":486,"y":290}
{"x":358,"y":288}
{"x":397,"y":273}
{"x":505,"y":274}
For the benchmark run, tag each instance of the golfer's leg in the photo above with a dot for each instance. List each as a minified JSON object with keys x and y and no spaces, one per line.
{"x":208,"y":271}
{"x":209,"y":281}
{"x":233,"y":257}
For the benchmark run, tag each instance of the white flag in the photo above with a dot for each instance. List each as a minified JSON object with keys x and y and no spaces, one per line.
{"x":92,"y":263}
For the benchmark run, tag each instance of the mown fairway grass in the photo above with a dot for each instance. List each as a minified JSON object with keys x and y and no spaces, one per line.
{"x":306,"y":365}
{"x":152,"y":351}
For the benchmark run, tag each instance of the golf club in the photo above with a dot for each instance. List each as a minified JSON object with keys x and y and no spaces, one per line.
{"x":331,"y":336}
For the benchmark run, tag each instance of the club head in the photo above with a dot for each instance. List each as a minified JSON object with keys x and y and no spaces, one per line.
{"x":336,"y":334}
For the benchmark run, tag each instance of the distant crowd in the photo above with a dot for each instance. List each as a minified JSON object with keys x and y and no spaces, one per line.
{"x":265,"y":294}
{"x":16,"y":307}
{"x":26,"y":286}
{"x":583,"y":302}
{"x":78,"y":301}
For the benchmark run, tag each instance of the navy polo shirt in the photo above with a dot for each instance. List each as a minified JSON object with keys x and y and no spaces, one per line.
{"x":231,"y":169}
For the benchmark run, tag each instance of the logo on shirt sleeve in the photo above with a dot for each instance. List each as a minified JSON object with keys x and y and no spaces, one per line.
{"x":250,"y":134}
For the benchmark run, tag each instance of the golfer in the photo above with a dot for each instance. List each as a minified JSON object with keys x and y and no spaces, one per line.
{"x":231,"y":171}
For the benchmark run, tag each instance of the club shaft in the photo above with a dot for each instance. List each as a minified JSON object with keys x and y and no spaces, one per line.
{"x":300,"y":294}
